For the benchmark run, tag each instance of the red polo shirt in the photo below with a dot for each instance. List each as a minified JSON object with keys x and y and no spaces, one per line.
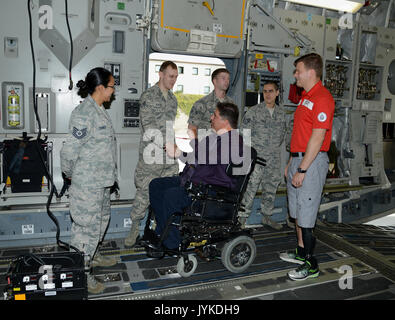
{"x":315,"y":111}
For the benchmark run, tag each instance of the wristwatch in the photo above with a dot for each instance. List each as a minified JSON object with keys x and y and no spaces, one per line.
{"x":300,"y":170}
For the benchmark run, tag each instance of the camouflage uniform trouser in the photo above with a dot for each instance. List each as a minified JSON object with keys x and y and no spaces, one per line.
{"x":144,"y":174}
{"x":269,"y":177}
{"x":90,"y":210}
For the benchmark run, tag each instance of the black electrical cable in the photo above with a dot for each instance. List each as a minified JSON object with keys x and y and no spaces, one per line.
{"x":71,"y":43}
{"x":38,"y":142}
{"x":34,"y":68}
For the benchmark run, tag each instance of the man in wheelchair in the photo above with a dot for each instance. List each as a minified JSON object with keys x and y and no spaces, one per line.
{"x":201,"y":204}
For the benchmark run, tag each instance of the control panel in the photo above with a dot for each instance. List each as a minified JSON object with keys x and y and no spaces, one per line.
{"x":131,"y":113}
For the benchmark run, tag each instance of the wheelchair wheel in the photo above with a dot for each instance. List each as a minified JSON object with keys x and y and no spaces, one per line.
{"x":237,"y":255}
{"x":188,"y":268}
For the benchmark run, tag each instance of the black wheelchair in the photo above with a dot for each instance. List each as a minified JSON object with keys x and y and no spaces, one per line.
{"x":209,"y":227}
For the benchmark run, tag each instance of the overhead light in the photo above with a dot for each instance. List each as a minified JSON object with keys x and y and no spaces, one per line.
{"x":351,"y":6}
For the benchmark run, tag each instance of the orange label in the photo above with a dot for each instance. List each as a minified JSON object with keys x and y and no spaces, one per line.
{"x":20,"y":297}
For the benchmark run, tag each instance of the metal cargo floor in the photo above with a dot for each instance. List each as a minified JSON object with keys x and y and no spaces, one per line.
{"x":369,"y":251}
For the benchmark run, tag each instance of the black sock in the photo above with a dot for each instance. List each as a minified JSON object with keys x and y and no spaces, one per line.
{"x":301,"y":252}
{"x":309,"y":244}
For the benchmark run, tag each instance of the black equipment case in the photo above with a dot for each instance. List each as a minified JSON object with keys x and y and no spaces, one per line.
{"x":59,"y":276}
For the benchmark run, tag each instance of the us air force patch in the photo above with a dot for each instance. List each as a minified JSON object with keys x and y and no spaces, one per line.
{"x":79,"y":134}
{"x":322,"y":117}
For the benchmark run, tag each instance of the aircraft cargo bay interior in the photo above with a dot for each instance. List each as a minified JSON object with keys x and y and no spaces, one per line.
{"x":197,"y":150}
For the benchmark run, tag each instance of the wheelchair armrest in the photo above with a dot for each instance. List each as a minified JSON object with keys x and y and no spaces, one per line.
{"x":220,"y":189}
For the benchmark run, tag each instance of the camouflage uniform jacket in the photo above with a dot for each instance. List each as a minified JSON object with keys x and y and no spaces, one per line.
{"x":155,"y":111}
{"x":267,"y":132}
{"x":88,"y":155}
{"x":202,"y":110}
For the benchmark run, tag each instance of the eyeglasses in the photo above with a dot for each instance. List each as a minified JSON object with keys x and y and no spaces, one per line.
{"x":111,"y":87}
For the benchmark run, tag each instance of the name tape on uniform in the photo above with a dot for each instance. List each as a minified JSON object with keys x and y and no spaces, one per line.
{"x":308,"y":104}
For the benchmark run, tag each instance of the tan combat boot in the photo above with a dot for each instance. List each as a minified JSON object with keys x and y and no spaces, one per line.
{"x":130,"y":240}
{"x":94,"y":286}
{"x":103,"y":261}
{"x":267,"y":220}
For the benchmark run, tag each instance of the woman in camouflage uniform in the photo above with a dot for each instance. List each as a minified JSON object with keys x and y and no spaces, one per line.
{"x":88,"y":158}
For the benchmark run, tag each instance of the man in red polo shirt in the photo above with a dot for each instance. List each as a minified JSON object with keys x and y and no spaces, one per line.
{"x":308,"y":165}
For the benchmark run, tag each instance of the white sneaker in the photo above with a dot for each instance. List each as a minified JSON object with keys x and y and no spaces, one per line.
{"x":304,"y":272}
{"x":292,"y":256}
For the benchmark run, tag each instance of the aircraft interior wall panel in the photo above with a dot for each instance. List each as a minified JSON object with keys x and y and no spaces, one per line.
{"x":17,"y":67}
{"x":55,"y":75}
{"x":312,"y":26}
{"x":52,"y":75}
{"x":385,"y":56}
{"x":367,"y":94}
{"x":31,"y":227}
{"x":265,"y":31}
{"x":366,"y":145}
{"x":330,"y":43}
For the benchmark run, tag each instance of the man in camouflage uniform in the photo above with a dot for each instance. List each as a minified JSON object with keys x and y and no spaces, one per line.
{"x":269,"y":127}
{"x":202,"y":110}
{"x":88,"y":158}
{"x":157,"y":150}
